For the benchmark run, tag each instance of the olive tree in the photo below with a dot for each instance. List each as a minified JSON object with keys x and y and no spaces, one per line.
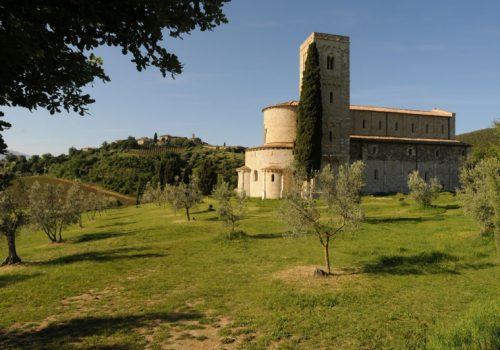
{"x":153,"y":194}
{"x":48,"y":210}
{"x":185,"y":196}
{"x":480,"y":194}
{"x":340,"y":192}
{"x":75,"y":202}
{"x":421,"y":191}
{"x":12,"y":217}
{"x":231,"y":206}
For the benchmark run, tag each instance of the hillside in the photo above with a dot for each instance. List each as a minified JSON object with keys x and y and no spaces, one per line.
{"x":144,"y":278}
{"x":125,"y":166}
{"x":125,"y":200}
{"x":483,"y":138}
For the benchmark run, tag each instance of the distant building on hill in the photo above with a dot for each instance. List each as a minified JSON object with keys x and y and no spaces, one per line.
{"x":391,"y":141}
{"x":143,"y":140}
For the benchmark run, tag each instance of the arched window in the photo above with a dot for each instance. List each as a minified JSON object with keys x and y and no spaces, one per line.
{"x":364,"y":123}
{"x":410,"y":151}
{"x":331,"y":97}
{"x":437,"y":153}
{"x":272,"y":177}
{"x":374,"y":149}
{"x":396,"y":126}
{"x":380,"y":125}
{"x":375,"y":174}
{"x":425,"y":176}
{"x":426,"y":128}
{"x":265,"y":135}
{"x":330,"y":136}
{"x":412,"y":127}
{"x":255,"y":175}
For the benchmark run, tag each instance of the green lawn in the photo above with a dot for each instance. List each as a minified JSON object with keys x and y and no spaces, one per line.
{"x":143,"y":278}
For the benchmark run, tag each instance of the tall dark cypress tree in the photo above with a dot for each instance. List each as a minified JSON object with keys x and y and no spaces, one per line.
{"x":307,"y":151}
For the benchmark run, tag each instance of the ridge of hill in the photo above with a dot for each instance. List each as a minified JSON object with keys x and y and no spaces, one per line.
{"x":482,"y":138}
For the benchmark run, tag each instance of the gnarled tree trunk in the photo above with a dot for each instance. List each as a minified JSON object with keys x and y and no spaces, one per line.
{"x":13,"y":258}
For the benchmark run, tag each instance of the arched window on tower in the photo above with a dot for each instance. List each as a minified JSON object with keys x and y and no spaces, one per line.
{"x":255,"y":175}
{"x":272,"y":177}
{"x":330,"y":136}
{"x":380,"y":125}
{"x":364,"y":123}
{"x":331,"y":97}
{"x":375,"y":174}
{"x":412,"y":127}
{"x":396,"y":126}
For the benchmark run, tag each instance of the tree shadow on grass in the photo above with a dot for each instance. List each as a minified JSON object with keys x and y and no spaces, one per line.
{"x":61,"y":334}
{"x":410,"y":220}
{"x":424,"y":263}
{"x":89,"y":237}
{"x":266,"y":236}
{"x":102,"y":256}
{"x":448,"y":206}
{"x":118,"y":224}
{"x":6,"y":280}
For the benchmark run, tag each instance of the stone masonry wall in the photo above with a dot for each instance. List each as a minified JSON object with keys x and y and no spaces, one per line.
{"x":388,"y":164}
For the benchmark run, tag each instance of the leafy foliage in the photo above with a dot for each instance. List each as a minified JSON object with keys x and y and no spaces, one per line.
{"x":48,"y":210}
{"x":480,"y":194}
{"x":229,"y":211}
{"x":421,"y":191}
{"x":340,"y":192}
{"x":47,"y":48}
{"x":184,"y":196}
{"x":3,"y":126}
{"x":307,"y":149}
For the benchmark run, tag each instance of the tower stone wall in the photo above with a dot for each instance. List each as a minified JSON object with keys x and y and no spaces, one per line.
{"x":335,"y":86}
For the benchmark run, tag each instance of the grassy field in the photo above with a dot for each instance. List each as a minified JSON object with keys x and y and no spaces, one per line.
{"x":144,"y":278}
{"x":125,"y":200}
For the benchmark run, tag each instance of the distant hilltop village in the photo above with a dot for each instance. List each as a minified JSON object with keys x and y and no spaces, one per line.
{"x":167,"y":138}
{"x":392,"y":142}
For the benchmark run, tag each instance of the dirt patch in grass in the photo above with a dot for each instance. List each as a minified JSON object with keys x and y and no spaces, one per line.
{"x":208,"y":332}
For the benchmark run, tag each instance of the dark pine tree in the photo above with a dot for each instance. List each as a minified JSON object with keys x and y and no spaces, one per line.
{"x":207,"y":176}
{"x":155,"y":138}
{"x":307,"y":150}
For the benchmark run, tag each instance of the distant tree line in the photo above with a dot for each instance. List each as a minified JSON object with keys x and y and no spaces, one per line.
{"x":113,"y":167}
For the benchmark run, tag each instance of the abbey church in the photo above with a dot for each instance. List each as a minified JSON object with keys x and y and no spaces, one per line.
{"x":391,"y":141}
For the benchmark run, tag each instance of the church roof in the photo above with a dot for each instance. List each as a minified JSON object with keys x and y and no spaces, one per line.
{"x":435,"y":112}
{"x":407,"y":140}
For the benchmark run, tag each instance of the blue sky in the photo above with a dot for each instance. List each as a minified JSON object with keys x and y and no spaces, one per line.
{"x":408,"y":54}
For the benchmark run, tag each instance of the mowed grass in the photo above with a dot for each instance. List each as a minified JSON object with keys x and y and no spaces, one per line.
{"x":144,"y":277}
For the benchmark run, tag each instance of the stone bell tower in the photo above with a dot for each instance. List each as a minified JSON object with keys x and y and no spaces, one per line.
{"x":335,"y":87}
